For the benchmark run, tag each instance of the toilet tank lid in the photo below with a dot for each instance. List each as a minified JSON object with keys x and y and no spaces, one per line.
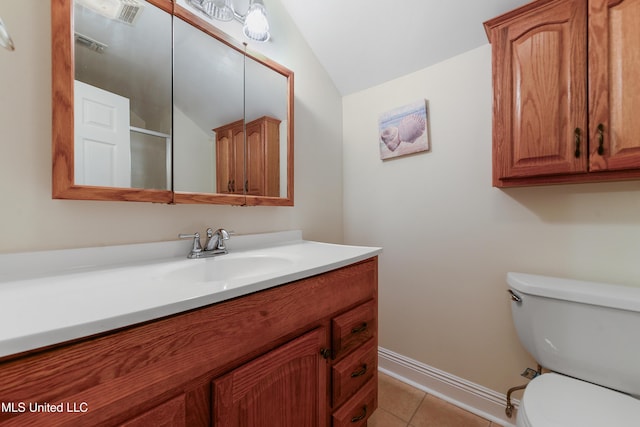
{"x":602,"y":294}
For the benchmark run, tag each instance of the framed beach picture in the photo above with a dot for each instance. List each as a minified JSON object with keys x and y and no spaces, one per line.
{"x":404,"y":130}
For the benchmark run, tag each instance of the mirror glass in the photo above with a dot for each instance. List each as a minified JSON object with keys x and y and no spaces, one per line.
{"x":208,"y":98}
{"x":266,"y":117}
{"x":122,"y":95}
{"x":152,"y":103}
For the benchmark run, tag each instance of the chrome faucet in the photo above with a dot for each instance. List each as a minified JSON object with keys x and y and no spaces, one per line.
{"x":215,"y":245}
{"x":216,"y":241}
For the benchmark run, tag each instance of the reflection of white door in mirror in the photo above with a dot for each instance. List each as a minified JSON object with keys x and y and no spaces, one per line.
{"x":102,"y":139}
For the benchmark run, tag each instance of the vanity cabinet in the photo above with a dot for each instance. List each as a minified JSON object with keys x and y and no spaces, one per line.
{"x":564,"y":82}
{"x":262,"y":158}
{"x":266,"y":358}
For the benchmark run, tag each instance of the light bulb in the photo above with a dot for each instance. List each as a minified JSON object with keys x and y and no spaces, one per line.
{"x":256,"y":26}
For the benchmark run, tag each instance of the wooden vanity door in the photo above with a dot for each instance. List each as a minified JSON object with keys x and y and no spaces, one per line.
{"x":286,"y":387}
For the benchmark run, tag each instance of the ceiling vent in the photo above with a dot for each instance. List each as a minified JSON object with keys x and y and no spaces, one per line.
{"x":126,"y":11}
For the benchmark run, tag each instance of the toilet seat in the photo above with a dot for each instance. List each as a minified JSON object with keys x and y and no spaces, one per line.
{"x":553,"y":400}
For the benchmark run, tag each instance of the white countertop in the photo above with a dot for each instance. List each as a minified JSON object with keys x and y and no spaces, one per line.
{"x":51,"y":297}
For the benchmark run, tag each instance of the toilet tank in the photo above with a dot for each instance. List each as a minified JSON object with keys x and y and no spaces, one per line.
{"x":582,"y":329}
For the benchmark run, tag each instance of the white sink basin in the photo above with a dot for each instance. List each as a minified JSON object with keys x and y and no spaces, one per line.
{"x":225,"y":268}
{"x":54,"y":296}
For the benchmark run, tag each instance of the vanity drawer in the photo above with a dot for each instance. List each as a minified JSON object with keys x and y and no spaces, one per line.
{"x":353,"y":371}
{"x":353,"y":328}
{"x":359,"y":408}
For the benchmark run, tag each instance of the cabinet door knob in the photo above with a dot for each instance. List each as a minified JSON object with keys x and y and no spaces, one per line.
{"x":600,"y":139}
{"x":325,"y":353}
{"x":361,"y":416}
{"x":578,"y":137}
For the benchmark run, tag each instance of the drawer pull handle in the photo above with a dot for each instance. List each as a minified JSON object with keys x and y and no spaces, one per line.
{"x":359,"y":329}
{"x":360,"y":372}
{"x":361,"y":416}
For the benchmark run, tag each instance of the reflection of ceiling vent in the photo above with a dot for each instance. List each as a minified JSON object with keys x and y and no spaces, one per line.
{"x":129,"y":11}
{"x":126,"y":11}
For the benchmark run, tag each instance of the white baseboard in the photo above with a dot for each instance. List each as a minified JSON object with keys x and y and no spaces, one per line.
{"x":469,"y":396}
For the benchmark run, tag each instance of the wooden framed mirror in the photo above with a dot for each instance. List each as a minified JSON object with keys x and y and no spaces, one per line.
{"x":93,"y":163}
{"x":174,"y":85}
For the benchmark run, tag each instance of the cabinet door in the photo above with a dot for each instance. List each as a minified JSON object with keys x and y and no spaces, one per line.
{"x":540,"y":105}
{"x":255,"y":160}
{"x":286,"y":387}
{"x":224,"y":163}
{"x":263,"y":157}
{"x":614,"y":87}
{"x":230,"y":161}
{"x":238,"y":179}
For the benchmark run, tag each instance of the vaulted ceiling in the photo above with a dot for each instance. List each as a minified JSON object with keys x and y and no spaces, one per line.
{"x":362,"y":43}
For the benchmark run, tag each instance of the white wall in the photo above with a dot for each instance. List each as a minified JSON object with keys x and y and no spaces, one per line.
{"x":449,"y":237}
{"x":31,"y":220}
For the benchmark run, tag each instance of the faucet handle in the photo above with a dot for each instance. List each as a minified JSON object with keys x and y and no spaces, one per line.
{"x":224,"y":234}
{"x":197,"y":247}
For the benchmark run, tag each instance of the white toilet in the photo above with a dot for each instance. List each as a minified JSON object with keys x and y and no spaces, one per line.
{"x":588,"y":334}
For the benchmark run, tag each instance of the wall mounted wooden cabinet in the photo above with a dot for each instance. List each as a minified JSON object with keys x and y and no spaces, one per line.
{"x":565,"y":91}
{"x":299,"y":354}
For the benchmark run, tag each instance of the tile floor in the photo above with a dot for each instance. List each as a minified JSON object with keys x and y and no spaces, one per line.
{"x":400,"y":405}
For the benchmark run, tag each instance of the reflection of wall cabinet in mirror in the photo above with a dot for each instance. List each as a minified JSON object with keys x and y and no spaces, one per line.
{"x":565,"y":92}
{"x":263,"y":157}
{"x":230,"y":158}
{"x":260,"y":162}
{"x":135,"y":99}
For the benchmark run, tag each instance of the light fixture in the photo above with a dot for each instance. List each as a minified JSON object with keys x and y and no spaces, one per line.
{"x":222,"y":10}
{"x":5,"y":38}
{"x":254,"y":23}
{"x":256,"y":26}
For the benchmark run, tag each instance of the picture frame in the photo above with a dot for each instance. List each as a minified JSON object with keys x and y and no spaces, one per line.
{"x":404,"y":130}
